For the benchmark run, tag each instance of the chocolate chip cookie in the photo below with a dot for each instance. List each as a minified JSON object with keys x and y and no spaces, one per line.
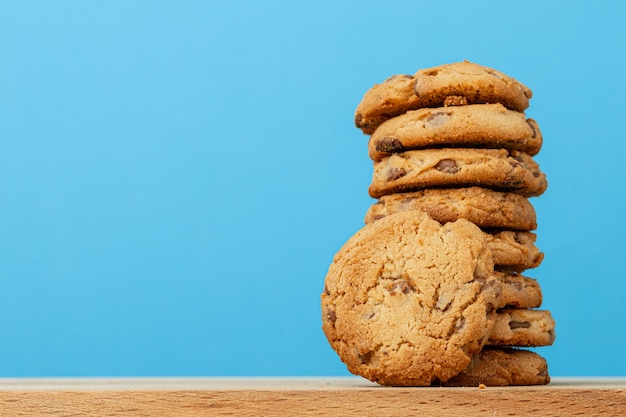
{"x":502,"y":367}
{"x":408,"y":301}
{"x":514,"y":250}
{"x":523,"y":327}
{"x":472,"y":126}
{"x":483,"y":207}
{"x":454,"y":84}
{"x":518,"y":291}
{"x":497,"y":169}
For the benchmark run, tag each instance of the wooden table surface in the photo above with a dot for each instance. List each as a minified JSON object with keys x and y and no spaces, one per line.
{"x":350,"y":396}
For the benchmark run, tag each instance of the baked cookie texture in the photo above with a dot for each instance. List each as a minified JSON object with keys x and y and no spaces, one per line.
{"x":514,"y":250}
{"x":474,"y":126}
{"x":518,"y":291}
{"x":502,"y":367}
{"x":460,"y":83}
{"x":383,"y":101}
{"x":469,"y":83}
{"x":523,"y":327}
{"x":433,"y":289}
{"x":406,"y":300}
{"x":483,"y":207}
{"x":497,"y":169}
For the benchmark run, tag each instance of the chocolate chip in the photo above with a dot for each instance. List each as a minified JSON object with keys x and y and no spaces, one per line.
{"x":331,"y":316}
{"x":519,"y":158}
{"x":400,"y":285}
{"x":460,"y":323}
{"x":519,"y":325}
{"x":395,"y":173}
{"x":389,"y":144}
{"x":455,"y":101}
{"x":437,"y":118}
{"x":447,"y":166}
{"x":358,"y":121}
{"x":416,"y":88}
{"x":443,"y":303}
{"x":517,"y":161}
{"x":406,"y":203}
{"x":492,"y":287}
{"x":366,"y":357}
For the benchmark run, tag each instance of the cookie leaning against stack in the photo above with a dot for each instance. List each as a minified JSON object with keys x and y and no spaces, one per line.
{"x":430,"y":291}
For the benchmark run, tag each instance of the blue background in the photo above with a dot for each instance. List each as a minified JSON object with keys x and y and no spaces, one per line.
{"x":175,"y":177}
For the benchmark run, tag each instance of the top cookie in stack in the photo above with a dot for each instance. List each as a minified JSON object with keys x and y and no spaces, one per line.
{"x":460,"y":83}
{"x":451,"y":145}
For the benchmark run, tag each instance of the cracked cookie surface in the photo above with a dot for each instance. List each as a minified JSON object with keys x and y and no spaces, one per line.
{"x":471,"y":126}
{"x":406,"y":299}
{"x":497,"y":169}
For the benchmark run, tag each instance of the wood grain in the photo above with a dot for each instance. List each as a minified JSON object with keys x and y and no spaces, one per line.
{"x":302,"y":397}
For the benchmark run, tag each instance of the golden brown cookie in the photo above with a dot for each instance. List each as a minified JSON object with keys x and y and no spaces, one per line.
{"x":514,"y":250}
{"x":460,"y":83}
{"x":523,"y":327}
{"x":502,"y":367}
{"x":497,"y":169}
{"x":518,"y":291}
{"x":472,"y":126}
{"x":469,"y":83}
{"x":383,"y":101}
{"x":483,"y":207}
{"x":408,"y":301}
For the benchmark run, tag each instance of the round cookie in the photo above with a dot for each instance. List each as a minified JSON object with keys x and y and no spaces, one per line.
{"x":496,"y":169}
{"x":522,"y":327}
{"x":483,"y":207}
{"x":406,"y":299}
{"x":454,"y":84}
{"x":514,"y":250}
{"x":502,"y":367}
{"x":518,"y":291}
{"x":471,"y":126}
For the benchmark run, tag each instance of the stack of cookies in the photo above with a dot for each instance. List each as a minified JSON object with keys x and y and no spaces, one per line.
{"x":433,"y":290}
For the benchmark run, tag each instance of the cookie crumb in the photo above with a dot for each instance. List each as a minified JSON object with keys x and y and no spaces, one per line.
{"x":482,"y":386}
{"x":455,"y":101}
